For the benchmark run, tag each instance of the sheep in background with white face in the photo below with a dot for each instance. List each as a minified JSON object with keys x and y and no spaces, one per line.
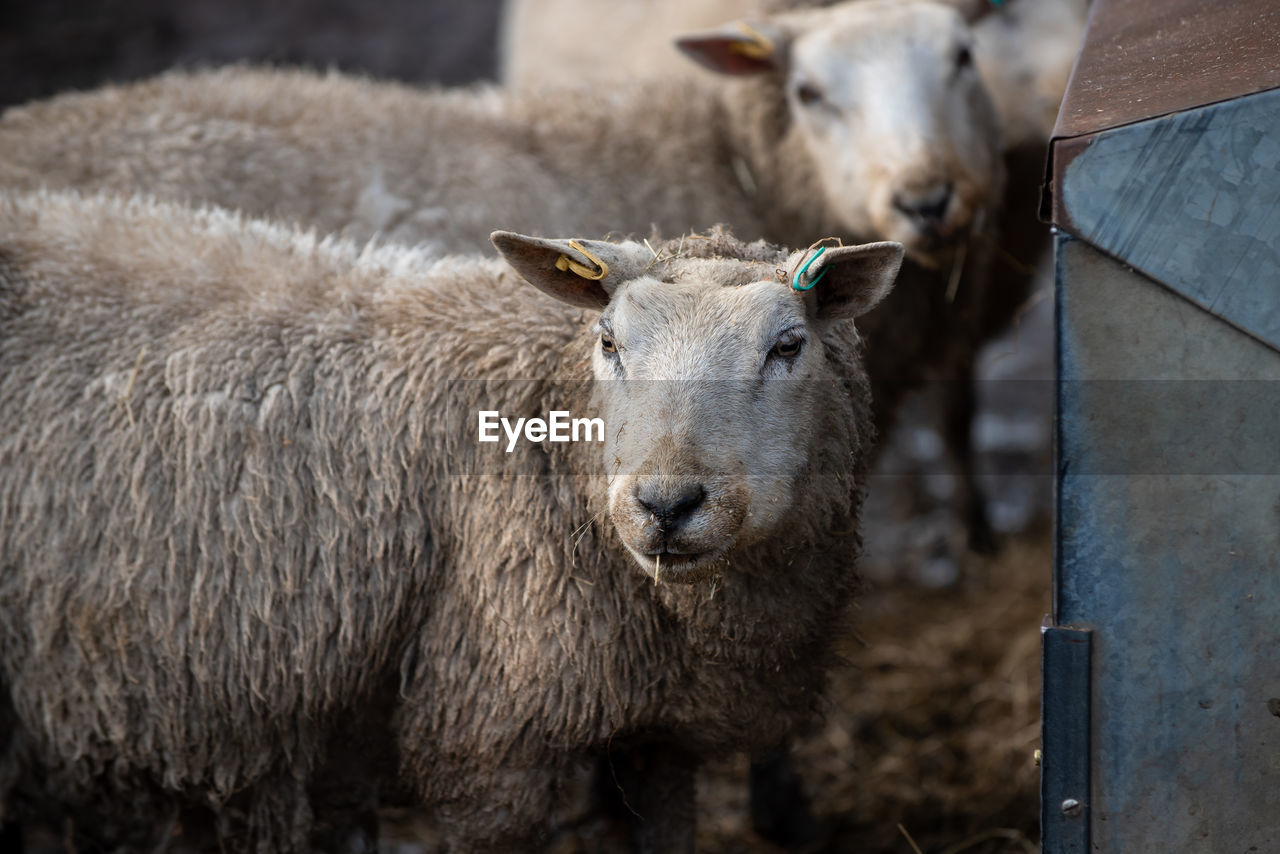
{"x":804,"y":144}
{"x":884,"y":94}
{"x":1024,"y":50}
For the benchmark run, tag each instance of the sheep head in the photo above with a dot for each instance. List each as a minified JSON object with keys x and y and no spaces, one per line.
{"x":710,"y":374}
{"x":885,"y":101}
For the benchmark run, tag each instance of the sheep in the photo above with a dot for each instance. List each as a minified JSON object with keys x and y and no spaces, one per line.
{"x":444,"y":168}
{"x":544,"y":42}
{"x":259,"y":576}
{"x":1024,"y":54}
{"x":346,"y":155}
{"x":786,"y":150}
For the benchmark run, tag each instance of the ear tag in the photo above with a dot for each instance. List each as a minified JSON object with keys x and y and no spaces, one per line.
{"x":564,"y":262}
{"x":795,"y":280}
{"x":757,"y":46}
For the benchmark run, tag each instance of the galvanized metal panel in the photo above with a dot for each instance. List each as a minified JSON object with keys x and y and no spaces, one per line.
{"x":1177,"y":574}
{"x":1192,"y":200}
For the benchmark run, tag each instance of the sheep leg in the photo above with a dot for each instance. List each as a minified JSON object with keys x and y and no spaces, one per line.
{"x":343,"y":793}
{"x":655,"y":783}
{"x":959,"y":405}
{"x":779,"y":807}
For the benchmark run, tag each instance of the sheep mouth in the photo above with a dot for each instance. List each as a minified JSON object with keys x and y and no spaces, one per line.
{"x":676,"y":559}
{"x":933,"y":249}
{"x":678,"y":567}
{"x":938,"y":244}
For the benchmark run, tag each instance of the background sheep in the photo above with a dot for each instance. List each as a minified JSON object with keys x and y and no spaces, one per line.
{"x":255,"y":560}
{"x":347,"y":155}
{"x":1024,"y":52}
{"x":783,"y":152}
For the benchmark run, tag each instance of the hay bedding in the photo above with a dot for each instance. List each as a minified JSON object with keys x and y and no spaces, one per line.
{"x":932,"y":725}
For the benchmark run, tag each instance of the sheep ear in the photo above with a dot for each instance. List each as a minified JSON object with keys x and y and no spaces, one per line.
{"x":738,"y":48}
{"x":584,"y":273}
{"x":848,"y":281}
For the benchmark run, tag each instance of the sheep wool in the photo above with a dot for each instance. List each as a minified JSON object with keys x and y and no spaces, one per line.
{"x":256,"y":579}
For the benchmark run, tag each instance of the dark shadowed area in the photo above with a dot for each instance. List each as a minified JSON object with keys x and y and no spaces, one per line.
{"x":49,"y":46}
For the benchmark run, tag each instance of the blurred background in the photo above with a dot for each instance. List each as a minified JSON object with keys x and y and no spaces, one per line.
{"x":931,"y":726}
{"x":48,"y":46}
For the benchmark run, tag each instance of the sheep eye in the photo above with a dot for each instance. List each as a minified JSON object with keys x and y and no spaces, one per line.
{"x":964,"y":57}
{"x":787,"y":348}
{"x":808,"y":94}
{"x":606,"y":343}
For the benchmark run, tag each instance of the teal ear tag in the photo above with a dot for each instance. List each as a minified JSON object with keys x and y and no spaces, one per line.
{"x":795,"y":280}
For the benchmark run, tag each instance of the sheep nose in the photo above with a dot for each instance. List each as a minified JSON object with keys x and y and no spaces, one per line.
{"x":671,"y":505}
{"x":927,"y":209}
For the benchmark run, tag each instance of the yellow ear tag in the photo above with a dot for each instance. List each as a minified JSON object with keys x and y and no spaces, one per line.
{"x":564,"y":262}
{"x":758,"y":46}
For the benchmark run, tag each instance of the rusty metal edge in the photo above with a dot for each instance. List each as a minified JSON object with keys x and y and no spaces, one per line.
{"x":1065,"y":146}
{"x":1061,"y":154}
{"x":1047,"y":197}
{"x":1140,"y":59}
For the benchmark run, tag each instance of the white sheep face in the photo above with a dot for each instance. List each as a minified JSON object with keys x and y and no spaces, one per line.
{"x":886,"y":102}
{"x":707,"y":392}
{"x":709,"y":374}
